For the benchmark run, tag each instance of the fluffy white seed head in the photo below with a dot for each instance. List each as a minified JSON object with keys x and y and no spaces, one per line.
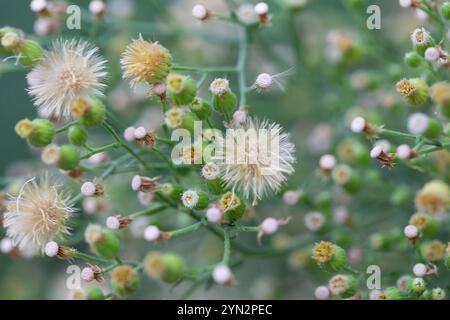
{"x":113,"y":223}
{"x":411,"y":231}
{"x":358,"y":124}
{"x":51,"y":249}
{"x":327,"y":162}
{"x":222,"y":275}
{"x":261,"y":8}
{"x":432,"y":54}
{"x":140,"y":133}
{"x":6,"y":245}
{"x":269,"y":226}
{"x":264,"y":81}
{"x":88,"y":189}
{"x":128,"y":134}
{"x":405,"y":3}
{"x":152,"y":233}
{"x":97,"y":7}
{"x":418,"y":123}
{"x":322,"y":293}
{"x":87,"y":274}
{"x":404,"y":152}
{"x":189,"y":199}
{"x":420,"y":270}
{"x":38,"y":5}
{"x":199,"y":12}
{"x":376,"y":152}
{"x":210,"y":171}
{"x":214,"y":215}
{"x":291,"y":198}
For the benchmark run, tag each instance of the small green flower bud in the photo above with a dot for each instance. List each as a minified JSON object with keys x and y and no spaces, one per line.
{"x":445,"y":9}
{"x":401,"y":195}
{"x":181,"y":89}
{"x":232,"y":206}
{"x":214,"y":186}
{"x":347,"y":178}
{"x":438,"y":294}
{"x":90,"y":113}
{"x":224,"y":100}
{"x":414,"y":91}
{"x":124,"y":280}
{"x":413,"y":59}
{"x":95,"y":294}
{"x":77,"y":135}
{"x":391,"y":293}
{"x":31,"y":52}
{"x":343,"y":286}
{"x":356,"y":4}
{"x":426,"y":223}
{"x":106,"y":244}
{"x":324,"y":200}
{"x":172,"y":191}
{"x":201,"y":108}
{"x":69,"y":157}
{"x":416,"y":286}
{"x":174,"y":268}
{"x":426,"y":295}
{"x":434,"y":129}
{"x":329,"y":257}
{"x":39,"y":132}
{"x":379,"y":241}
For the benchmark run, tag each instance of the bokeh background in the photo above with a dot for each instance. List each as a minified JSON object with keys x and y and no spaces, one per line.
{"x":315,"y":104}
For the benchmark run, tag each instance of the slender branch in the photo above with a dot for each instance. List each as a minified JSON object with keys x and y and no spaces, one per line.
{"x":185,"y":230}
{"x":205,"y":70}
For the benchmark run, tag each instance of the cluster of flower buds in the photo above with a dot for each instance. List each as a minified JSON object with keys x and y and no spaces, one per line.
{"x":140,"y":135}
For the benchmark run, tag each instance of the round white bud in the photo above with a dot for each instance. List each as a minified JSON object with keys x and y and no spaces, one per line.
{"x":152,"y":233}
{"x":411,"y":231}
{"x":358,"y":124}
{"x":404,"y":152}
{"x":113,"y":223}
{"x":405,"y":3}
{"x":269,"y":226}
{"x":189,"y":199}
{"x":214,"y":215}
{"x":264,"y":81}
{"x":140,"y":133}
{"x":128,"y":134}
{"x":51,"y":249}
{"x":322,"y":293}
{"x":240,"y":116}
{"x":261,"y":8}
{"x":222,"y":275}
{"x":376,"y":152}
{"x":97,"y":7}
{"x":418,"y":123}
{"x":136,"y":183}
{"x":38,"y":5}
{"x":432,"y":54}
{"x":6,"y":245}
{"x":420,"y":270}
{"x":219,"y":87}
{"x":87,"y":274}
{"x":327,"y":162}
{"x":291,"y":198}
{"x":199,"y":12}
{"x":88,"y":189}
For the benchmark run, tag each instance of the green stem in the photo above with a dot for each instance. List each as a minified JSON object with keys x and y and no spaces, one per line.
{"x":205,"y":70}
{"x":101,"y":149}
{"x":89,"y":258}
{"x":65,"y":127}
{"x":226,"y":246}
{"x":247,"y":228}
{"x":397,"y":134}
{"x":185,"y":230}
{"x":241,"y":67}
{"x":434,"y":149}
{"x":149,"y":211}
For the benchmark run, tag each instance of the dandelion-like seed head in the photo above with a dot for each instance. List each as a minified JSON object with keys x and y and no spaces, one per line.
{"x":189,"y":199}
{"x":145,"y":61}
{"x":38,"y":214}
{"x":259,"y":159}
{"x":324,"y":251}
{"x":420,"y":37}
{"x":69,"y":71}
